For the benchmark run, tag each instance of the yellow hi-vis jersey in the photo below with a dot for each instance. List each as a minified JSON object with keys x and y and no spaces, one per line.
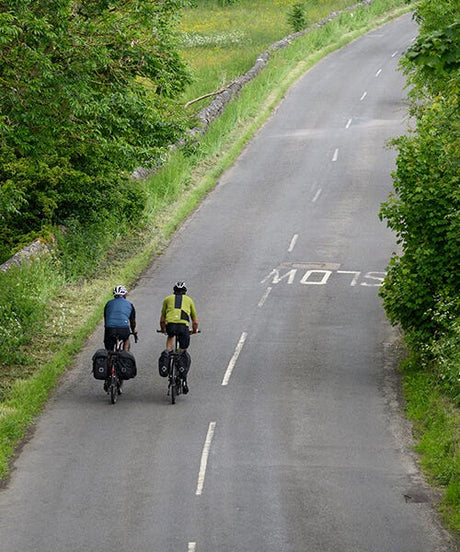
{"x":178,"y":309}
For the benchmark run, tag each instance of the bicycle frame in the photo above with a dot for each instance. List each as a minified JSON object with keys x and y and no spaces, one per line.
{"x":114,"y":382}
{"x":174,"y":380}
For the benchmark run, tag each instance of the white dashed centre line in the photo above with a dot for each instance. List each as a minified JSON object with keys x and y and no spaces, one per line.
{"x":204,"y":459}
{"x":363,"y":96}
{"x":293,"y":242}
{"x":264,"y":297}
{"x":348,"y":123}
{"x":336,"y":155}
{"x":378,"y":73}
{"x":318,"y":193}
{"x":234,"y":358}
{"x":191,"y":546}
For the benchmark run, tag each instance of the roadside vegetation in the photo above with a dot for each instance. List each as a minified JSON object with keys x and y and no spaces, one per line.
{"x":51,"y":304}
{"x":421,"y":290}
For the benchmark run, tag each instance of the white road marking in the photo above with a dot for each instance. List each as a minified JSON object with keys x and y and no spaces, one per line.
{"x":355,"y":279}
{"x":234,"y":358}
{"x":191,"y":546}
{"x":264,"y":297}
{"x":336,"y":155}
{"x":348,"y":123}
{"x":378,"y":73}
{"x":293,"y":242}
{"x":363,"y":96}
{"x":320,"y":274}
{"x":318,"y":193}
{"x":394,"y":54}
{"x":377,"y":278}
{"x":204,"y":461}
{"x":325,"y":275}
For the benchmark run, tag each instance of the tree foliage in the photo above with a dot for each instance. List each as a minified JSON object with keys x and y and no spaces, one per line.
{"x":86,"y":94}
{"x":421,"y":290}
{"x":422,"y":285}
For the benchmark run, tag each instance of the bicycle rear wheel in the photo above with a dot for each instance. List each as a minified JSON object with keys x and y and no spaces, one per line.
{"x":173,"y":382}
{"x":113,"y":390}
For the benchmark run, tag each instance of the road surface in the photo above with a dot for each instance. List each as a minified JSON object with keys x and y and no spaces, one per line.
{"x":290,"y":438}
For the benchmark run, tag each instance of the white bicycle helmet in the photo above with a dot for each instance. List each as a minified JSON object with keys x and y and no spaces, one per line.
{"x":180,"y":287}
{"x":119,"y":291}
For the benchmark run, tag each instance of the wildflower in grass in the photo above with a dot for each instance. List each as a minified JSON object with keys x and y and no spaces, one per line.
{"x":196,"y":40}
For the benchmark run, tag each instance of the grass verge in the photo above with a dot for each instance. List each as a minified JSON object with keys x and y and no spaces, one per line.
{"x":436,"y":423}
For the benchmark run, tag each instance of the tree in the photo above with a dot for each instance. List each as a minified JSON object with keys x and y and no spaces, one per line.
{"x":421,"y":288}
{"x":86,"y":94}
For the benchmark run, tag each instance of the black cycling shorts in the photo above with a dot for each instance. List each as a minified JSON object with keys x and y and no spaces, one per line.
{"x":111,"y":334}
{"x":182,"y":331}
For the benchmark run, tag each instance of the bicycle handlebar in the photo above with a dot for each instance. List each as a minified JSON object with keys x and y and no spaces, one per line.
{"x":165,"y":333}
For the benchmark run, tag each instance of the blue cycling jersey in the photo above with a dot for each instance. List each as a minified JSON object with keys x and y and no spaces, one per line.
{"x":119,"y":313}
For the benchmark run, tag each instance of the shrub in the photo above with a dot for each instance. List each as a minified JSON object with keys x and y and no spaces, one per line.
{"x":297,"y":18}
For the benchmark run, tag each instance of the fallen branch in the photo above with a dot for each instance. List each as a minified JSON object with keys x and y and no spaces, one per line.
{"x":216,"y":93}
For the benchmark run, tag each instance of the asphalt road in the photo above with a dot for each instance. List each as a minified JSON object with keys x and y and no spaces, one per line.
{"x":290,"y":438}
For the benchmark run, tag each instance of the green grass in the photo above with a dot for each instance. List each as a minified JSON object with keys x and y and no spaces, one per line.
{"x":68,"y":313}
{"x":221,"y":43}
{"x":437,"y":430}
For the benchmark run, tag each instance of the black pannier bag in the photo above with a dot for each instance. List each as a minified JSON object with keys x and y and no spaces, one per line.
{"x":183,"y":363}
{"x":100,"y":368}
{"x":163,"y":364}
{"x":126,"y":365}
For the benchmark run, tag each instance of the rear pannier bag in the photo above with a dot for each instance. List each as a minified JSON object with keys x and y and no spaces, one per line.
{"x":163,"y":364}
{"x":127,"y":365}
{"x":183,"y":363}
{"x":100,"y":368}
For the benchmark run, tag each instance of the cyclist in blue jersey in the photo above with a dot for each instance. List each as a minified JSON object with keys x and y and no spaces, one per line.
{"x":119,"y":319}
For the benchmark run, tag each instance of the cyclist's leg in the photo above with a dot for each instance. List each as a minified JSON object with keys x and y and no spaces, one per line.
{"x":124,"y":334}
{"x":171,"y":331}
{"x":110,"y":338}
{"x":183,"y":334}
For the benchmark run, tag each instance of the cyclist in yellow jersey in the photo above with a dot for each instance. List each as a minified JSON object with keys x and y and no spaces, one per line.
{"x":177,"y":312}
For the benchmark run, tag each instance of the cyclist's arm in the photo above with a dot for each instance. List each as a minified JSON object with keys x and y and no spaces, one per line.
{"x":132,"y":320}
{"x":194,"y":325}
{"x":193,"y":316}
{"x":164,"y":309}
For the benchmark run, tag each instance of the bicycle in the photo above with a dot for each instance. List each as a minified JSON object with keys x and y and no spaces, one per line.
{"x":115,"y":369}
{"x":177,"y":384}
